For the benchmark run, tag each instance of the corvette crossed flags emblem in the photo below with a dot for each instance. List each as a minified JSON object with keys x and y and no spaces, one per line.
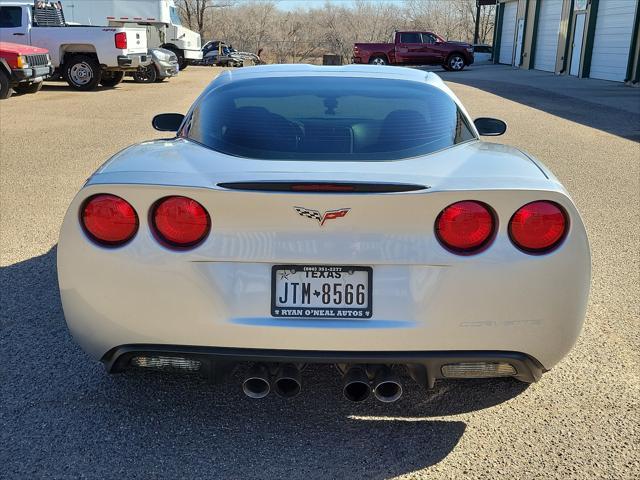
{"x":321,"y":217}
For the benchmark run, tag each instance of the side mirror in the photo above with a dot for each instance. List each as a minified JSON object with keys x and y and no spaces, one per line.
{"x":490,"y":127}
{"x":167,"y":122}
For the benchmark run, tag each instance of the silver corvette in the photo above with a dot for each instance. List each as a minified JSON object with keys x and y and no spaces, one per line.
{"x":339,"y":215}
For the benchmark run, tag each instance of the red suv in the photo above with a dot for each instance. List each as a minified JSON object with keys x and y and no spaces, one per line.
{"x":22,"y":68}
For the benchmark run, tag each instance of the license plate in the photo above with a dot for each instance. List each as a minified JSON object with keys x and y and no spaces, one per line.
{"x":321,"y":291}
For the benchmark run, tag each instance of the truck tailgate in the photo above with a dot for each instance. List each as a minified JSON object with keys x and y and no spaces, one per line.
{"x":136,"y":39}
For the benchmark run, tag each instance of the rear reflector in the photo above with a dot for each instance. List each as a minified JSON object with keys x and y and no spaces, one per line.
{"x":478,"y":370}
{"x":109,"y":220}
{"x":465,"y":227}
{"x":166,"y":363}
{"x":538,"y":227}
{"x":180,"y":221}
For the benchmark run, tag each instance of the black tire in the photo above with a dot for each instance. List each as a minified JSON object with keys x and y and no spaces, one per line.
{"x":5,"y":88}
{"x":379,"y":60}
{"x":111,"y":79}
{"x":147,"y":74}
{"x":160,"y":79}
{"x":455,"y":63}
{"x":82,"y":72}
{"x":28,"y":87}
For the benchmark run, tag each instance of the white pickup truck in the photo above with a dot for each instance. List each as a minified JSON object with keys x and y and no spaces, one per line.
{"x":85,"y":56}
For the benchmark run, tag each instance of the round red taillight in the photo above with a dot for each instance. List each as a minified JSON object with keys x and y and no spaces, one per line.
{"x":465,"y":227}
{"x":180,"y":221}
{"x":109,"y":219}
{"x":538,"y":227}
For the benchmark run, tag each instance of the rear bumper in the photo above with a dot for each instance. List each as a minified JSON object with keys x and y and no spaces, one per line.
{"x":425,"y":299}
{"x":132,"y":61}
{"x":426,"y":366}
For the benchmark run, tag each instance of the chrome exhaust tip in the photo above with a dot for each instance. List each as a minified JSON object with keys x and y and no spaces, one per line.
{"x":386,"y":385}
{"x":256,"y":384}
{"x":356,"y":386}
{"x":288,"y":381}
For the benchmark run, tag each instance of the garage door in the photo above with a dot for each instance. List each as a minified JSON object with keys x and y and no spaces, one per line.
{"x":508,"y":33}
{"x":547,"y":36}
{"x":612,"y":39}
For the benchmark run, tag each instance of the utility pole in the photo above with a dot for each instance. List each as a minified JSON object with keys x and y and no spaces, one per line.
{"x":477,"y":31}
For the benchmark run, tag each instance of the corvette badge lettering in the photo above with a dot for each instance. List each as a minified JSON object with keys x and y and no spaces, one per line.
{"x":321,"y":217}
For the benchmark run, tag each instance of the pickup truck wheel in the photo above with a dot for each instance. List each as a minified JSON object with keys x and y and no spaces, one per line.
{"x":146,"y":74}
{"x":5,"y":89}
{"x":28,"y":87}
{"x":111,"y":79}
{"x":82,"y":72}
{"x":378,"y":61}
{"x":455,"y":62}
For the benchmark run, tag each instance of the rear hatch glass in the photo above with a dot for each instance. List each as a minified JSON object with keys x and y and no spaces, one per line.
{"x":327,"y":118}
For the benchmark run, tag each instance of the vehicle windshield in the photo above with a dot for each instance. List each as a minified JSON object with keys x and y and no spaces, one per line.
{"x":327,"y":118}
{"x":173,"y":14}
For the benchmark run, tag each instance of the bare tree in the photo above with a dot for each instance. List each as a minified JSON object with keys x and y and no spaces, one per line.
{"x":194,"y":12}
{"x":305,"y":34}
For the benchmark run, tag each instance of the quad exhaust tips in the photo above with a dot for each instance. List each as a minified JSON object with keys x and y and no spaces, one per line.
{"x":386,"y":385}
{"x":287,"y":383}
{"x":256,"y":384}
{"x":355,"y":384}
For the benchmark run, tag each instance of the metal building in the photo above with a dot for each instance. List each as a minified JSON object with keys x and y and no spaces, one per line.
{"x":583,"y":38}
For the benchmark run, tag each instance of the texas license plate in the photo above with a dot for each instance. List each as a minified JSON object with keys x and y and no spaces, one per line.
{"x":321,"y":291}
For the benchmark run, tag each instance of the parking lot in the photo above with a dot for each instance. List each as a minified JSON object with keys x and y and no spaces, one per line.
{"x":62,"y":416}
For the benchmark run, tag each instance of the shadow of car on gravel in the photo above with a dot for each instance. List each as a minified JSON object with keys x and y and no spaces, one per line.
{"x":63,"y":415}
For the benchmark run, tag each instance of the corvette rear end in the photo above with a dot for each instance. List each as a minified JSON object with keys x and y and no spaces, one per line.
{"x":463,"y":262}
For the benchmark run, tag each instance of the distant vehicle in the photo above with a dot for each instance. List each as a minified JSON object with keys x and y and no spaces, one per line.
{"x":159,"y":17}
{"x":164,"y":64}
{"x":22,"y":68}
{"x":482,"y":52}
{"x":224,"y":55}
{"x":416,"y":48}
{"x":346,"y":215}
{"x":84,"y":56}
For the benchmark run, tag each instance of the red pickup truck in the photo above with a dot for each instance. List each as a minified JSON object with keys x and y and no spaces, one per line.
{"x":22,"y":68}
{"x":416,"y":48}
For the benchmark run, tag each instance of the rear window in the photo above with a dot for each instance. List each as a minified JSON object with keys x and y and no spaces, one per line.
{"x":410,"y":38}
{"x":327,"y":118}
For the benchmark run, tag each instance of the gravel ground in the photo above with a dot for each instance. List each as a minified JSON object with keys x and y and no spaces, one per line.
{"x":62,"y":416}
